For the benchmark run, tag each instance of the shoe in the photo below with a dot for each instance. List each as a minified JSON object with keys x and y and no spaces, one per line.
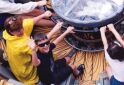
{"x":80,"y":68}
{"x":72,"y":52}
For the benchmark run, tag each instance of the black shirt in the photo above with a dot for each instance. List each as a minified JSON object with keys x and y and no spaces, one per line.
{"x":46,"y":66}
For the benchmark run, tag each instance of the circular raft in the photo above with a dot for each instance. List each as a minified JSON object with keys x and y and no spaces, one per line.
{"x":87,"y":16}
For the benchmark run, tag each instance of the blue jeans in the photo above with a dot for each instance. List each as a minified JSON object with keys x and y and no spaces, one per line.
{"x":114,"y":81}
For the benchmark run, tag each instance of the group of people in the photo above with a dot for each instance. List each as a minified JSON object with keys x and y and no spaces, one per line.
{"x":24,"y":8}
{"x":31,"y":57}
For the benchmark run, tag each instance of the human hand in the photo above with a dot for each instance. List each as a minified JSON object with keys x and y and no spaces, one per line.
{"x":103,"y":29}
{"x":41,"y":3}
{"x":39,"y":62}
{"x":110,"y":27}
{"x":59,"y":24}
{"x":32,"y":44}
{"x":70,"y":29}
{"x":47,"y":14}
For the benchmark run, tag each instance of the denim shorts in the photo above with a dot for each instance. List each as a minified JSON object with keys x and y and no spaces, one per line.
{"x":114,"y":81}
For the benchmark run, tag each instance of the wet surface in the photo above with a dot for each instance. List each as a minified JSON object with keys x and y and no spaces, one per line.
{"x":87,"y":11}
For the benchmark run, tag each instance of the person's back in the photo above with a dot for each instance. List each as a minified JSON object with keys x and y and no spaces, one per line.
{"x":115,"y":57}
{"x":114,"y":54}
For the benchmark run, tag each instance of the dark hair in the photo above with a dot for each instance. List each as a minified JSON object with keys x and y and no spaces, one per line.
{"x":13,"y":23}
{"x":116,"y":51}
{"x":39,"y":37}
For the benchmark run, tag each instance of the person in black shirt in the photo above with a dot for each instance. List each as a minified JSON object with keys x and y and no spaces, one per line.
{"x":50,"y":71}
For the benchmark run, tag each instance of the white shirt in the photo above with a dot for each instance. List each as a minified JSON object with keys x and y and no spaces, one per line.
{"x":8,"y":6}
{"x":116,"y":66}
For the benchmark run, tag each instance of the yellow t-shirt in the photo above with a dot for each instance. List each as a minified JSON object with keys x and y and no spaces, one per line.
{"x":19,"y":55}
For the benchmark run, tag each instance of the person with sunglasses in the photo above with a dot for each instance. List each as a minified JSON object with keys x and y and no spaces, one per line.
{"x":17,"y":35}
{"x":114,"y":54}
{"x":50,"y":71}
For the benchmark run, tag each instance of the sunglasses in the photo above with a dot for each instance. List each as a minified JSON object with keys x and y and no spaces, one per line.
{"x":43,"y":44}
{"x":13,"y":19}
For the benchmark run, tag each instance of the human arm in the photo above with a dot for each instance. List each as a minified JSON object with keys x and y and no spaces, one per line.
{"x":18,"y":8}
{"x":116,"y":34}
{"x":30,"y":22}
{"x":54,"y":30}
{"x":45,"y":14}
{"x":104,"y":40}
{"x":69,"y":30}
{"x":35,"y":60}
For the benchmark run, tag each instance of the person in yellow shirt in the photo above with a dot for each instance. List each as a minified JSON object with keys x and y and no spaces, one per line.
{"x":17,"y":35}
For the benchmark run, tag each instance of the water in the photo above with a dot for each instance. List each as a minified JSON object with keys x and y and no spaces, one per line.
{"x":85,"y":11}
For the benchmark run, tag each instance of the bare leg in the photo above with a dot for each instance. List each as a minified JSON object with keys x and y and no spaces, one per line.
{"x":109,"y":71}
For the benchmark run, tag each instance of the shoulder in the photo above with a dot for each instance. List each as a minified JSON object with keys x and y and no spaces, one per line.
{"x":52,"y":46}
{"x":29,"y":20}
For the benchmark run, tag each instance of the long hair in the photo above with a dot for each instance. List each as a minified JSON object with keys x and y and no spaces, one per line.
{"x":116,"y":51}
{"x":13,"y":23}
